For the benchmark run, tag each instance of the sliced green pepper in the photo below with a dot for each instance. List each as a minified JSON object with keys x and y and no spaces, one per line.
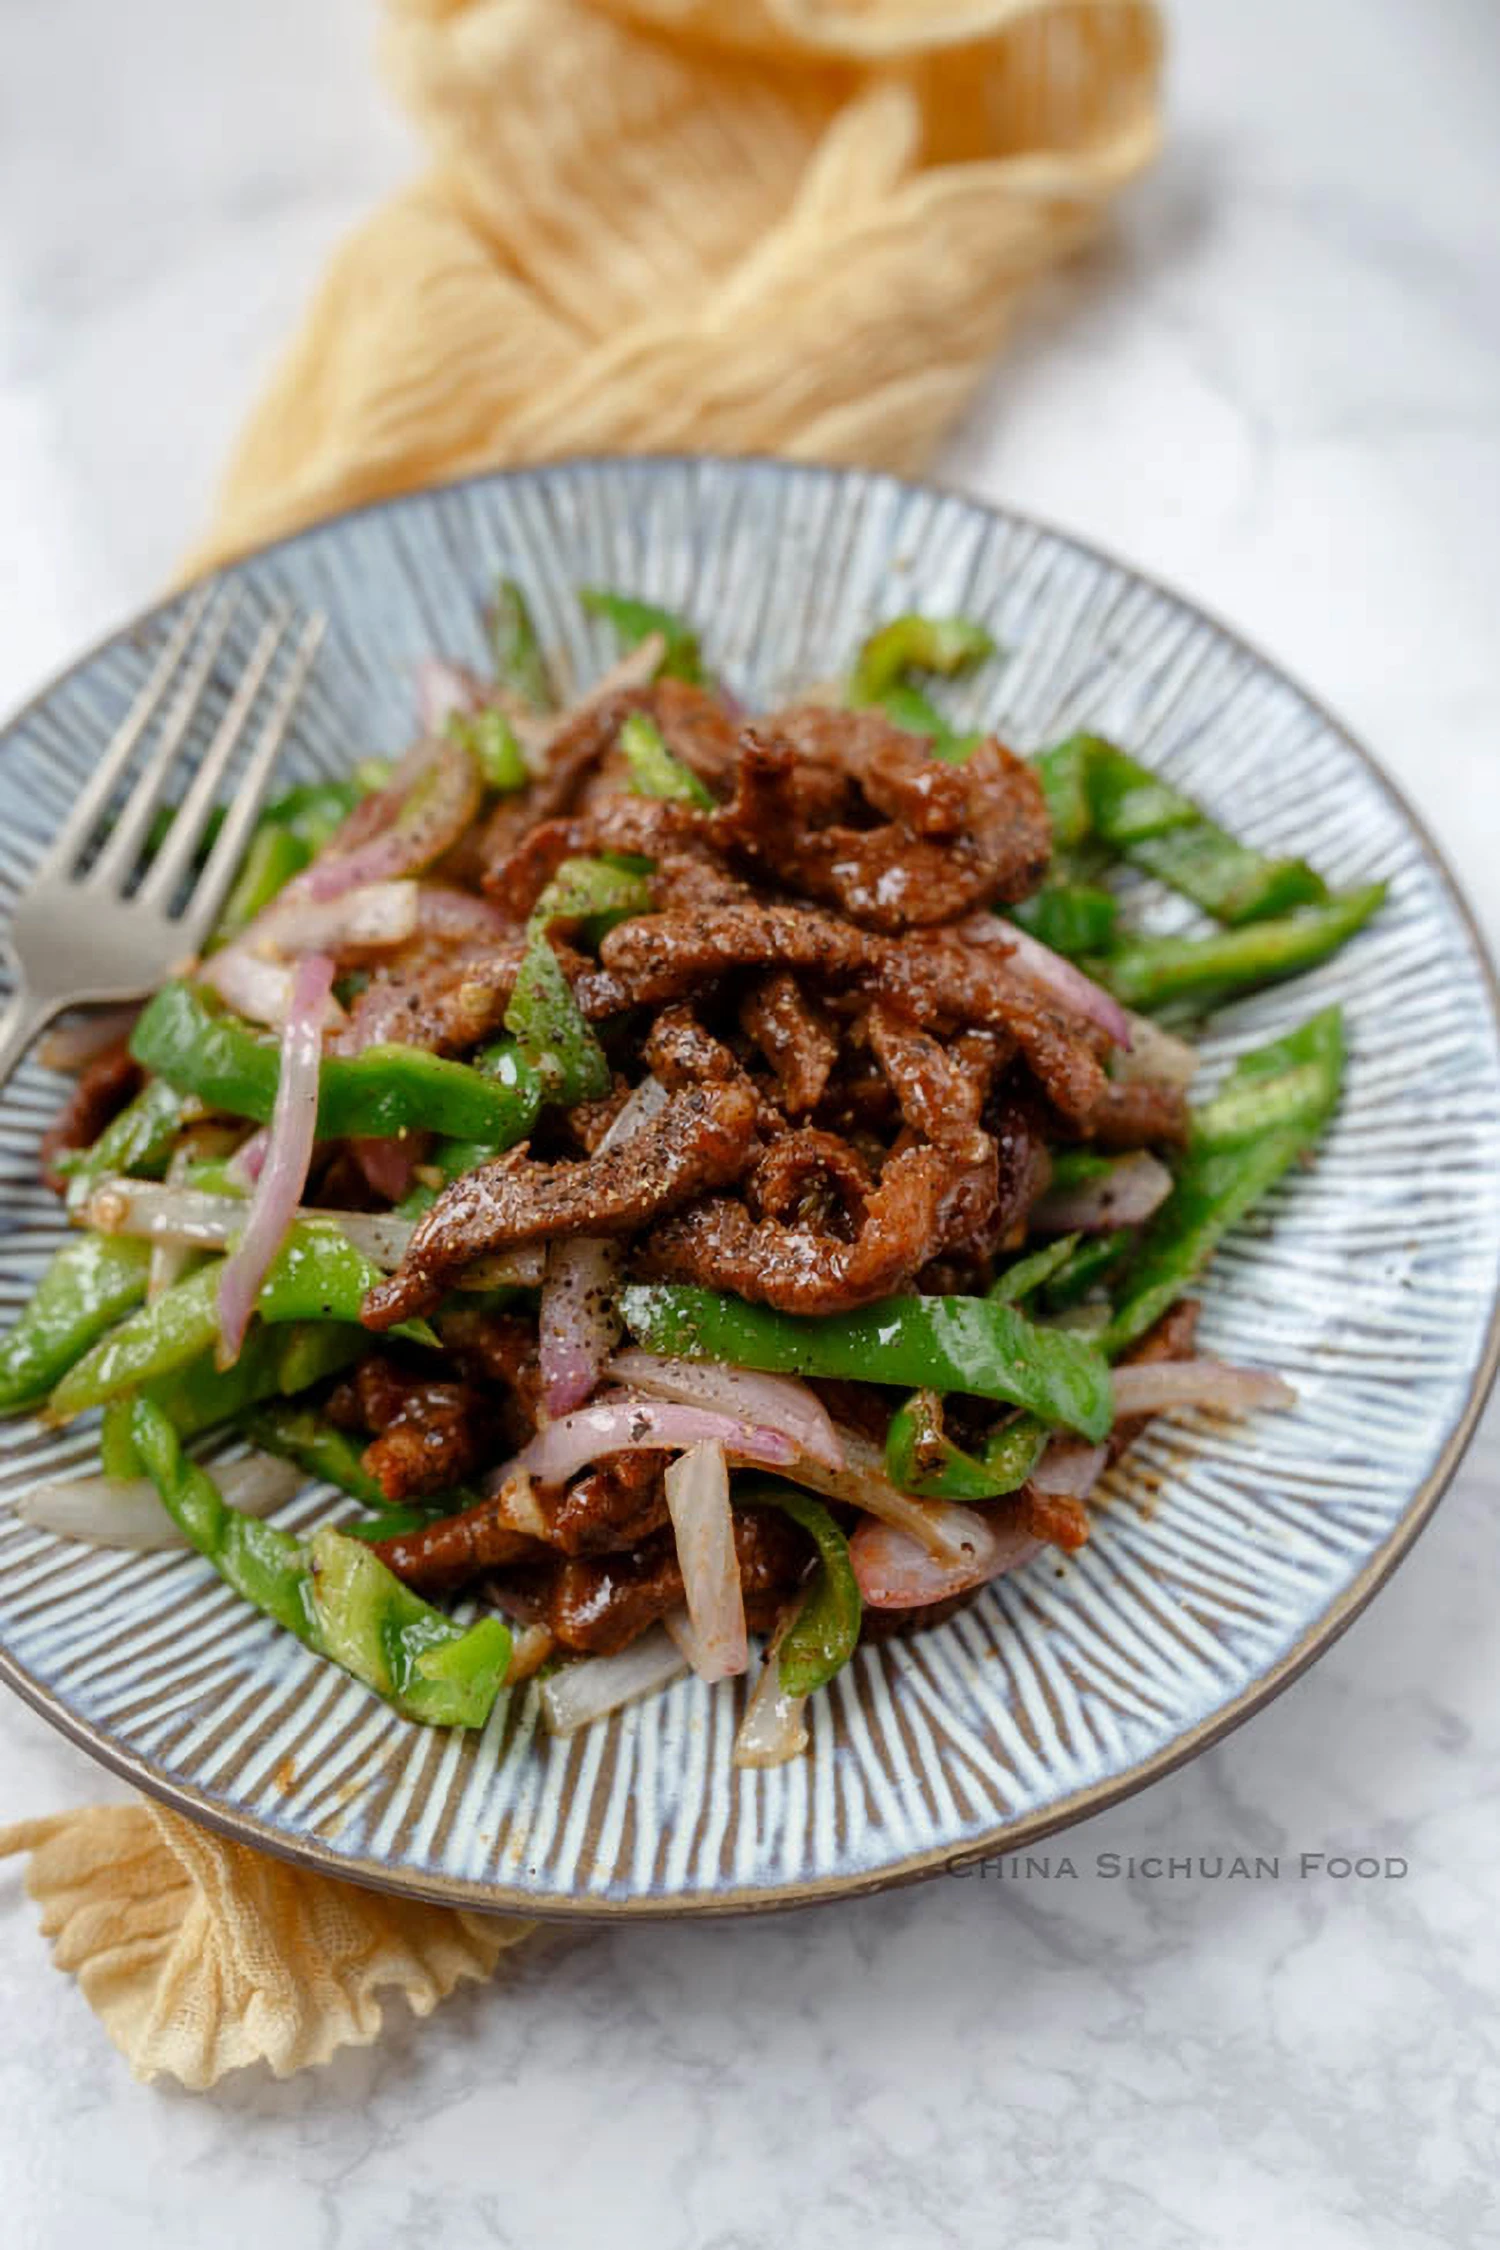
{"x":1090,"y":1263}
{"x":824,"y":1633}
{"x":1094,"y":789}
{"x":945,"y":645}
{"x":274,"y":1363}
{"x":1074,"y":919}
{"x":139,"y":1141}
{"x":92,"y":1282}
{"x":921,"y":1458}
{"x":970,"y":1344}
{"x":490,"y":740}
{"x":634,"y":621}
{"x":331,"y":1593}
{"x":302,"y":1435}
{"x":519,"y":663}
{"x":1028,"y":1274}
{"x":1146,"y":972}
{"x":654,"y":772}
{"x":199,"y":1049}
{"x":1297,"y":1079}
{"x":274,"y":856}
{"x":317,"y":1274}
{"x":595,"y":893}
{"x":551,"y":1030}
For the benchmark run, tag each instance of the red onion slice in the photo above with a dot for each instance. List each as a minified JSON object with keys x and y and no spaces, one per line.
{"x":444,"y":689}
{"x":1041,"y":966}
{"x":1157,"y":1386}
{"x":633,"y":1426}
{"x":128,"y":1514}
{"x":895,"y":1572}
{"x":698,"y":1503}
{"x":1157,"y":1055}
{"x":370,"y":918}
{"x":388,"y":1163}
{"x":433,"y":796}
{"x":278,"y":1191}
{"x":1070,"y":1467}
{"x":776,"y":1402}
{"x":581,"y":1693}
{"x":1121,"y":1197}
{"x":458,"y":917}
{"x":577,"y":1324}
{"x":774,"y":1728}
{"x":863,"y":1483}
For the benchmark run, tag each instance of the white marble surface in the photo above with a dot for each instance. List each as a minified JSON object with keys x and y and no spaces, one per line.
{"x":1278,"y":387}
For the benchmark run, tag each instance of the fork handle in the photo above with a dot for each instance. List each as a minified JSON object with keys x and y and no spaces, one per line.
{"x":21,"y":1020}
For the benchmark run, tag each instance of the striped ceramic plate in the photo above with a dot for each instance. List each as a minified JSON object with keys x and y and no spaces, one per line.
{"x":1226,"y":1556}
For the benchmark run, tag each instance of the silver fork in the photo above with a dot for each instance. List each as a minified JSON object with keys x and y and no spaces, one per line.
{"x":81,"y":937}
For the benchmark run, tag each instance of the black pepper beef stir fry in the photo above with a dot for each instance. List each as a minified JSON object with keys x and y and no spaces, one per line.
{"x":683,"y":1173}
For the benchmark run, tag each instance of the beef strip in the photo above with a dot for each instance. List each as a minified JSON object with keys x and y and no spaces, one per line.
{"x":954,"y":837}
{"x":923,"y":1197}
{"x":597,"y":1606}
{"x":656,"y":957}
{"x":428,"y":1435}
{"x":700,"y":1138}
{"x":101,"y":1091}
{"x":795,"y":1038}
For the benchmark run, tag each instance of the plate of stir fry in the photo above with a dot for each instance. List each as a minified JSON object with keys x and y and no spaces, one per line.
{"x":815,"y":1205}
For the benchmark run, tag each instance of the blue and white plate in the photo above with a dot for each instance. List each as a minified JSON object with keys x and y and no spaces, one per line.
{"x":1226,"y":1557}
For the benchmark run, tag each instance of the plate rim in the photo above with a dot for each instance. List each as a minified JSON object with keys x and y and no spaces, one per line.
{"x":1008,"y":1836}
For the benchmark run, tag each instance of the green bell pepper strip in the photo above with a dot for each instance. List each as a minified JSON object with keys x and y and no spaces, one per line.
{"x":200,"y":1049}
{"x":1224,"y":1173}
{"x":654,"y":772}
{"x":316,"y":1275}
{"x":274,"y":856}
{"x":946,"y":645}
{"x":1090,"y":1263}
{"x":490,"y":740}
{"x":1074,"y":919}
{"x":519,"y":663}
{"x":1146,"y":972}
{"x":921,"y":1458}
{"x":1028,"y":1274}
{"x":824,"y":1633}
{"x":1095,"y":790}
{"x":385,"y":1523}
{"x":906,"y":706}
{"x":117,"y":1455}
{"x":274,"y":1363}
{"x":138,"y":1141}
{"x":92,"y":1282}
{"x":634,"y":621}
{"x":593,"y":893}
{"x":332,"y":1593}
{"x":551,"y":1031}
{"x":968,"y":1344}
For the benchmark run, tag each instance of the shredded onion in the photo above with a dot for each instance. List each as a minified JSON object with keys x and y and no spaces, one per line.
{"x":697,"y":1488}
{"x":261,"y":991}
{"x":894,"y":1572}
{"x":1041,"y":966}
{"x":1121,"y":1197}
{"x":387,"y":1162}
{"x":370,"y":918}
{"x":442,"y":690}
{"x":1070,"y":1466}
{"x":577,"y":1324}
{"x":774,"y":1728}
{"x":1156,"y":1054}
{"x":530,"y":1647}
{"x":583,"y":1692}
{"x":776,"y":1402}
{"x":110,"y":1512}
{"x":863,"y":1483}
{"x":458,"y":916}
{"x":71,"y":1046}
{"x":1156,"y":1386}
{"x":249,"y":1159}
{"x":432,"y":797}
{"x":634,"y":1426}
{"x":278,"y":1191}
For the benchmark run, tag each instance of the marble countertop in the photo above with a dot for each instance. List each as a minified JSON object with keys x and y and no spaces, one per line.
{"x":1278,"y":386}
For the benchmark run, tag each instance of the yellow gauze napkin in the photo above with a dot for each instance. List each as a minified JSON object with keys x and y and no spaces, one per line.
{"x":793,"y":226}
